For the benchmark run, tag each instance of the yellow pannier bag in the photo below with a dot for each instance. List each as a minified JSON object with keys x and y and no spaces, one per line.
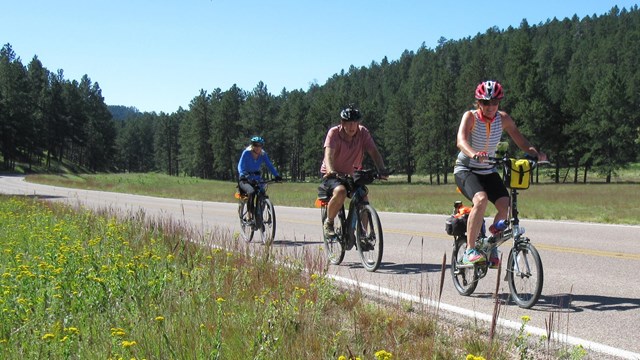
{"x":519,"y":174}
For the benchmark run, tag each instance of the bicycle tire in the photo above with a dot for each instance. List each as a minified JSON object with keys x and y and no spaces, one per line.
{"x":525,"y":275}
{"x":268,"y":226}
{"x":334,"y":247}
{"x":369,"y":238}
{"x":465,"y":277}
{"x":246,"y":230}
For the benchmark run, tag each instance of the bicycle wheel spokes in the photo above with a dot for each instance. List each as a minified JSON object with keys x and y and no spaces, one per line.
{"x":525,"y":275}
{"x":464,"y":277}
{"x":334,"y":246}
{"x":245,"y":224}
{"x":369,"y":238}
{"x":268,"y":227}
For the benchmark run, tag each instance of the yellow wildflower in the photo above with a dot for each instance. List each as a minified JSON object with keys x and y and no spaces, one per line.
{"x":473,"y":357}
{"x":48,"y":336}
{"x":383,"y":355}
{"x":73,"y":330}
{"x":117,"y":332}
{"x":127,"y":344}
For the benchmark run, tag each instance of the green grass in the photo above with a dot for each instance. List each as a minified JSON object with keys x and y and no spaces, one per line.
{"x":594,"y":202}
{"x":83,"y":285}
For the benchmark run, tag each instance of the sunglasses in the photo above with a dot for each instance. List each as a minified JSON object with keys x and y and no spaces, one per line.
{"x":257,"y":144}
{"x":492,"y":102}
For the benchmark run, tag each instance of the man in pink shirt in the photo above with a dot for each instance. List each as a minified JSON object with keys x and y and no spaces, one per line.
{"x":344,"y":149}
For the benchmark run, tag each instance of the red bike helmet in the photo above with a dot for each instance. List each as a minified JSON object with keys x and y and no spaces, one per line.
{"x":488,"y":90}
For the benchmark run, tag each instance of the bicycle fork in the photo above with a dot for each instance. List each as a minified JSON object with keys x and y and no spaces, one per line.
{"x":520,"y":254}
{"x":258,"y":209}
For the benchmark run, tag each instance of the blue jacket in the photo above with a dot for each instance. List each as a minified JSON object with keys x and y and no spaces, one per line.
{"x":249,"y":167}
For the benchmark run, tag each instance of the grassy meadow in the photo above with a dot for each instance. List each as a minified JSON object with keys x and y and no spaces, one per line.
{"x":596,"y":201}
{"x":83,"y":285}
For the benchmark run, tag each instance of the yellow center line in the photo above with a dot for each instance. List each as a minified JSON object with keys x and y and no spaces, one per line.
{"x":611,"y":254}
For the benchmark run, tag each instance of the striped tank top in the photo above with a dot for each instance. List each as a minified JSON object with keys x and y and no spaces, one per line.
{"x":485,"y":136}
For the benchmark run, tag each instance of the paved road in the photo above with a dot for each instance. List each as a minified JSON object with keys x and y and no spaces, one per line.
{"x":590,"y":292}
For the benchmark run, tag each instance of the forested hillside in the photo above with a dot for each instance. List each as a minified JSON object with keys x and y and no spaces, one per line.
{"x":572,"y":85}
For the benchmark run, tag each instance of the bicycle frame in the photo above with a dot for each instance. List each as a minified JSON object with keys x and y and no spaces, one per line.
{"x":513,"y":230}
{"x":259,"y":195}
{"x":524,"y":271}
{"x":357,"y":200}
{"x":360,"y":227}
{"x":262,"y":207}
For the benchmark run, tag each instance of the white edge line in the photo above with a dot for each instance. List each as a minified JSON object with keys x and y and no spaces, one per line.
{"x":624,"y":354}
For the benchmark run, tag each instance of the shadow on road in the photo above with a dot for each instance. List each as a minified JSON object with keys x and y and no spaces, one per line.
{"x":289,"y":243}
{"x":581,"y":302}
{"x":573,"y":303}
{"x":36,"y":197}
{"x":407,"y":269}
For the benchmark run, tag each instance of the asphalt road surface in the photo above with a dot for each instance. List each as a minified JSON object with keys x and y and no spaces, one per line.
{"x":590,"y":294}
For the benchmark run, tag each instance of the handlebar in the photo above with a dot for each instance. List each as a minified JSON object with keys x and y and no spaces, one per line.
{"x":373,"y":174}
{"x":505,"y":160}
{"x":263,"y":182}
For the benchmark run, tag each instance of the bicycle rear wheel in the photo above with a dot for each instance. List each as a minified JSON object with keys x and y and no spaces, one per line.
{"x":369,"y":238}
{"x":525,"y":275}
{"x":268,"y":227}
{"x":465,"y":278}
{"x":334,"y":246}
{"x":245,"y":225}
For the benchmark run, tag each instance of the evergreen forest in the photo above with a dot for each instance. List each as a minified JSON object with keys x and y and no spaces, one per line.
{"x":571,"y":85}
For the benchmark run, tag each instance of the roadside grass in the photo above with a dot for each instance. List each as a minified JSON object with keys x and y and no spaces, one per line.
{"x":617,"y":203}
{"x":78,"y":284}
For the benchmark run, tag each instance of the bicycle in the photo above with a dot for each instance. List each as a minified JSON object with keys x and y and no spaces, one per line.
{"x":524,"y":271}
{"x":360,"y":228}
{"x":262,"y":219}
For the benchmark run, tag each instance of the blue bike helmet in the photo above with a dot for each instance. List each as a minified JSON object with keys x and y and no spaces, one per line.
{"x":257,"y":140}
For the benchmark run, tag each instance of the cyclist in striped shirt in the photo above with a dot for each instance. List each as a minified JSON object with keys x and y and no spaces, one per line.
{"x":478,"y":136}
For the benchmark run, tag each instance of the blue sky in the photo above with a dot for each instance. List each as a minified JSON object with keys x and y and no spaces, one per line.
{"x":157,"y":55}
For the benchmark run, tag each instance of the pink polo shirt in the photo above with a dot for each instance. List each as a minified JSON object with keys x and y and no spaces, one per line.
{"x":348,"y":155}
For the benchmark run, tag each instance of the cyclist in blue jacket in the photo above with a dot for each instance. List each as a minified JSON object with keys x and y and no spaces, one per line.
{"x":249,"y":166}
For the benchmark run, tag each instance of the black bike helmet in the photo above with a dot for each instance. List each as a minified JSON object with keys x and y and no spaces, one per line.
{"x":257,"y":140}
{"x":350,"y":113}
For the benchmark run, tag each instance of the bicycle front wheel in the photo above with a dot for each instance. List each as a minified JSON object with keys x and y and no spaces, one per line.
{"x":524,"y":274}
{"x":369,"y":238}
{"x":334,"y":246}
{"x":245,"y":224}
{"x":465,"y":277}
{"x":268,"y":227}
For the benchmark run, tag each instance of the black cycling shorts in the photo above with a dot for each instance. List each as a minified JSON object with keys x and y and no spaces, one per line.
{"x":471,"y":183}
{"x":325,"y":190}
